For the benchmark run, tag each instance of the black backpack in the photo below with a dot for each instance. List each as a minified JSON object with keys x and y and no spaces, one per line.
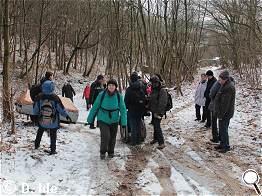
{"x":47,"y":113}
{"x":169,"y":104}
{"x":35,"y":90}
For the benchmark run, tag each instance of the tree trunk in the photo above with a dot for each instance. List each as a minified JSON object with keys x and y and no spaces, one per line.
{"x":6,"y":75}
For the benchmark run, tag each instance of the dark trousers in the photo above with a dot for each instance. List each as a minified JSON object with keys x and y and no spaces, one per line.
{"x":223,"y":133}
{"x":158,"y":135}
{"x":53,"y":133}
{"x":108,"y":137}
{"x":87,"y":103}
{"x":198,"y":115}
{"x":135,"y":127}
{"x":208,"y":113}
{"x":215,"y":134}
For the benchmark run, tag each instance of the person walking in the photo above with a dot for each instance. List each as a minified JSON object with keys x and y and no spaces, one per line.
{"x":135,"y":101}
{"x":210,"y":83}
{"x":96,"y":87}
{"x":158,"y":102}
{"x":68,"y":91}
{"x":224,"y":109}
{"x":200,"y":98}
{"x":110,"y":109}
{"x":86,"y":95}
{"x":47,"y":108}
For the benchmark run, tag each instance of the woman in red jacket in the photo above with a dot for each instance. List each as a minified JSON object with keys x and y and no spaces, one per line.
{"x":86,"y":95}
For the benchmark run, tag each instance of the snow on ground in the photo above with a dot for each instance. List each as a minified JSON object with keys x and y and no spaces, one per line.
{"x":188,"y":165}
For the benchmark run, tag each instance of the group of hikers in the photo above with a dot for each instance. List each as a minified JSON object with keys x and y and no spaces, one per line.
{"x":217,"y":98}
{"x":111,"y":109}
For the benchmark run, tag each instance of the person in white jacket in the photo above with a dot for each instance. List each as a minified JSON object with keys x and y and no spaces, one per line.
{"x":200,"y":98}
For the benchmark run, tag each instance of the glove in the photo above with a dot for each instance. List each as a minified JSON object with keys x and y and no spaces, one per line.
{"x":158,"y":116}
{"x":69,"y":119}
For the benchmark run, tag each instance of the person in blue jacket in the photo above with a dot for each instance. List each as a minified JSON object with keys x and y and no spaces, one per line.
{"x":110,"y":109}
{"x":47,"y":108}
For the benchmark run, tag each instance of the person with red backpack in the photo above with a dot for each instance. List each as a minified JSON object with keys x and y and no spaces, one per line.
{"x":47,"y":107}
{"x":86,"y":95}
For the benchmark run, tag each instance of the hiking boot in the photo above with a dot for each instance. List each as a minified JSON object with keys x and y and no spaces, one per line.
{"x":153,"y":142}
{"x":52,"y":152}
{"x":36,"y":146}
{"x":102,"y":156}
{"x":110,"y":156}
{"x":214,"y":141}
{"x":92,"y":127}
{"x":202,"y":121}
{"x":218,"y":147}
{"x":223,"y":150}
{"x":197,"y":119}
{"x":161,"y":146}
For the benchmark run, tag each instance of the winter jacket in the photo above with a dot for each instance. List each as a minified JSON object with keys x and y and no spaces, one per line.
{"x":135,"y":99}
{"x":86,"y":93}
{"x":109,"y":102}
{"x":68,"y":91}
{"x":158,"y":101}
{"x":47,"y":93}
{"x":213,"y":91}
{"x":209,"y":86}
{"x":199,"y":95}
{"x":225,"y":101}
{"x":96,"y":88}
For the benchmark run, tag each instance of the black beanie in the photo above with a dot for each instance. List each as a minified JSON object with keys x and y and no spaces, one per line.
{"x":112,"y":81}
{"x":209,"y":73}
{"x":100,"y":77}
{"x":134,"y":77}
{"x":48,"y":74}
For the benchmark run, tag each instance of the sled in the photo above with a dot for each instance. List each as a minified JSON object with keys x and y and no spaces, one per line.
{"x":24,"y":105}
{"x":126,"y":135}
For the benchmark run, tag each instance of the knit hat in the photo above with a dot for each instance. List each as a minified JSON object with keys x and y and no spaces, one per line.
{"x":112,"y":81}
{"x":209,"y":73}
{"x":100,"y":77}
{"x":48,"y":74}
{"x":154,"y":79}
{"x":224,"y":75}
{"x":48,"y":87}
{"x":134,"y":77}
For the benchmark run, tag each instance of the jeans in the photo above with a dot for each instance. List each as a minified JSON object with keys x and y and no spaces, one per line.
{"x":108,"y":137}
{"x":223,"y":133}
{"x":158,"y":135}
{"x":215,"y":134}
{"x":135,"y":127}
{"x":53,"y":134}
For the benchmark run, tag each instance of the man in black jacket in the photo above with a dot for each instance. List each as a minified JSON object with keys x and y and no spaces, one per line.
{"x":210,"y":83}
{"x":68,"y":91}
{"x":224,"y":108}
{"x":158,"y":102}
{"x":96,"y":87}
{"x":135,"y":101}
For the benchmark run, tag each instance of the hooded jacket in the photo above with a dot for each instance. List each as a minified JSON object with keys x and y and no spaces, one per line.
{"x":199,"y":95}
{"x":48,"y":88}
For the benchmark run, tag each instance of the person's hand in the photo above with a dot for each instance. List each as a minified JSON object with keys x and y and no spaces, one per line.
{"x":69,"y":119}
